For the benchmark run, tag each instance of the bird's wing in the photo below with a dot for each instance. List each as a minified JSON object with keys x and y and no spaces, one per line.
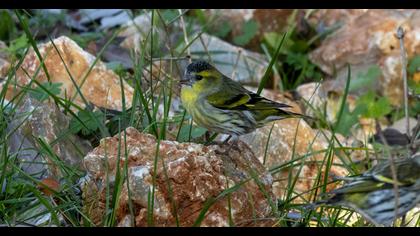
{"x":359,"y":186}
{"x":406,"y":172}
{"x":229,"y":100}
{"x":236,"y":97}
{"x":242,"y":101}
{"x":380,"y":177}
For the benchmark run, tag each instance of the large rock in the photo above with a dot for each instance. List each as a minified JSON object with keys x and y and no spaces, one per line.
{"x":291,"y":139}
{"x":34,"y":120}
{"x":370,"y":40}
{"x":100,"y":87}
{"x":322,"y":19}
{"x":195,"y":174}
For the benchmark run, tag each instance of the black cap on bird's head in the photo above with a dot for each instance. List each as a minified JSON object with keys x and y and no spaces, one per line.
{"x":192,"y":71}
{"x":198,"y":66}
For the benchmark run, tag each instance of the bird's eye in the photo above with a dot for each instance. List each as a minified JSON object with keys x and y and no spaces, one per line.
{"x":198,"y":77}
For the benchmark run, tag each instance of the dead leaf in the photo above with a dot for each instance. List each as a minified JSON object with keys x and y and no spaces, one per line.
{"x":48,"y":184}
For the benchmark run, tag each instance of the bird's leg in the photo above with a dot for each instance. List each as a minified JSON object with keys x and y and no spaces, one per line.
{"x":233,"y":143}
{"x":227,"y":139}
{"x":207,"y":136}
{"x":208,"y":142}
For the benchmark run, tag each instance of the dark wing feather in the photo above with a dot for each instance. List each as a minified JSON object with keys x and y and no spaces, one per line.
{"x":236,"y":97}
{"x":359,"y":187}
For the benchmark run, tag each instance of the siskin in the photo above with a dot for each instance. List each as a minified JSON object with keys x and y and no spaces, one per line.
{"x":373,"y":195}
{"x":222,"y":105}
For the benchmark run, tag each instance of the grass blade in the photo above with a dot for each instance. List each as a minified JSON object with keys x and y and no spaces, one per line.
{"x":270,"y":66}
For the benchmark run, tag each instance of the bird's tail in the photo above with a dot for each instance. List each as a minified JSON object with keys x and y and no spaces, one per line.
{"x":273,"y":114}
{"x":289,"y":114}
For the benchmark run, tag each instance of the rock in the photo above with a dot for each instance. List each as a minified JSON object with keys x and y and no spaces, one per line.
{"x":137,"y":30}
{"x":290,"y":139}
{"x":314,"y":95}
{"x":113,"y":53}
{"x":134,"y":31}
{"x":34,"y":120}
{"x":101,"y":86}
{"x":345,"y":46}
{"x":37,"y":214}
{"x":196,"y":173}
{"x":400,"y":125}
{"x":370,"y":40}
{"x":322,"y":19}
{"x":272,"y":20}
{"x":126,"y":222}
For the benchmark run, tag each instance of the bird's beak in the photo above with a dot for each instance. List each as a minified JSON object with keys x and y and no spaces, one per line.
{"x":186,"y":80}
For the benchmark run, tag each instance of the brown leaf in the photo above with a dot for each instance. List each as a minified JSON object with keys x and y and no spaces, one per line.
{"x":48,"y":184}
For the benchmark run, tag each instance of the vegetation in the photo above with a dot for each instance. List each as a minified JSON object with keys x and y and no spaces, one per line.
{"x":23,"y":197}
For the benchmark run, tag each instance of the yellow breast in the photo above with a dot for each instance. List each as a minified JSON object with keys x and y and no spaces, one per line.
{"x":188,"y":97}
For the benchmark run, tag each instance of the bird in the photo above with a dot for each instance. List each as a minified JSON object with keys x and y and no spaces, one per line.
{"x":222,"y":105}
{"x":373,"y":193}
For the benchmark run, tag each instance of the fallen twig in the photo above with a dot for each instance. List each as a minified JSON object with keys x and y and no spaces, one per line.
{"x":400,"y":36}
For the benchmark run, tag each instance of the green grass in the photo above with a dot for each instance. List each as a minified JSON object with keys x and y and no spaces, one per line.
{"x":20,"y":195}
